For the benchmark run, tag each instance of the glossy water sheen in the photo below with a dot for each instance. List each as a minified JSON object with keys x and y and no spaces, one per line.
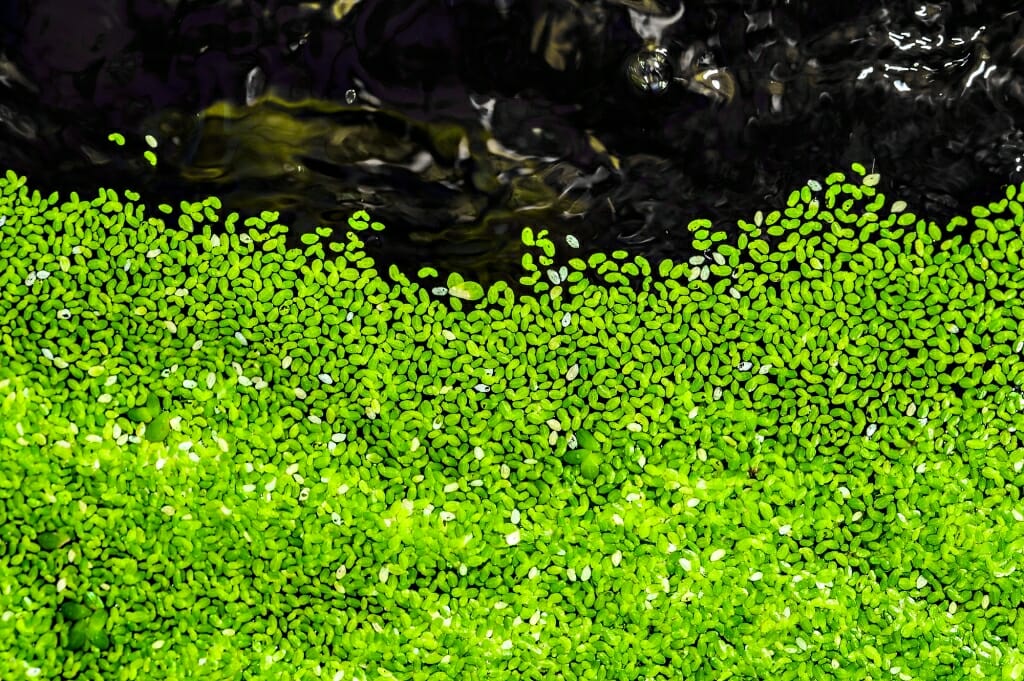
{"x":457,"y":123}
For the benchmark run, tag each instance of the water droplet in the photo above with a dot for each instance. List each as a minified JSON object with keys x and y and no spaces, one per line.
{"x":351,"y":96}
{"x":650,"y":70}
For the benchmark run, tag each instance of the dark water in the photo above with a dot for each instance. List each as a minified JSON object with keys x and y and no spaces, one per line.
{"x":456,"y":123}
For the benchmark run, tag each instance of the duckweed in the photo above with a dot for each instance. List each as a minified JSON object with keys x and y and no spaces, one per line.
{"x":803,"y":461}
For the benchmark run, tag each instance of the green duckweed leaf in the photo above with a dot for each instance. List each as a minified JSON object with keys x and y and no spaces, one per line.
{"x":159,"y":428}
{"x":74,"y":611}
{"x":467,"y":290}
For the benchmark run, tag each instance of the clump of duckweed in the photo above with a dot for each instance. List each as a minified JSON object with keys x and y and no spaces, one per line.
{"x":795,"y":455}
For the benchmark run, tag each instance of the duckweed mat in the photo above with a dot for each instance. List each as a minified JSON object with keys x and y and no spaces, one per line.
{"x":794,"y":456}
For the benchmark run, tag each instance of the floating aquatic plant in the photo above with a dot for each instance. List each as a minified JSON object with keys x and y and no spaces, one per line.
{"x":797,"y":453}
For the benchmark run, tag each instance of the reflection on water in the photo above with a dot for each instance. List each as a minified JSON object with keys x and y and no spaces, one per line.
{"x":457,"y":123}
{"x":451,"y":186}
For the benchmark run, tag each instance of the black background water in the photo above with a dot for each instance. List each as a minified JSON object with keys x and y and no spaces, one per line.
{"x":929,"y":94}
